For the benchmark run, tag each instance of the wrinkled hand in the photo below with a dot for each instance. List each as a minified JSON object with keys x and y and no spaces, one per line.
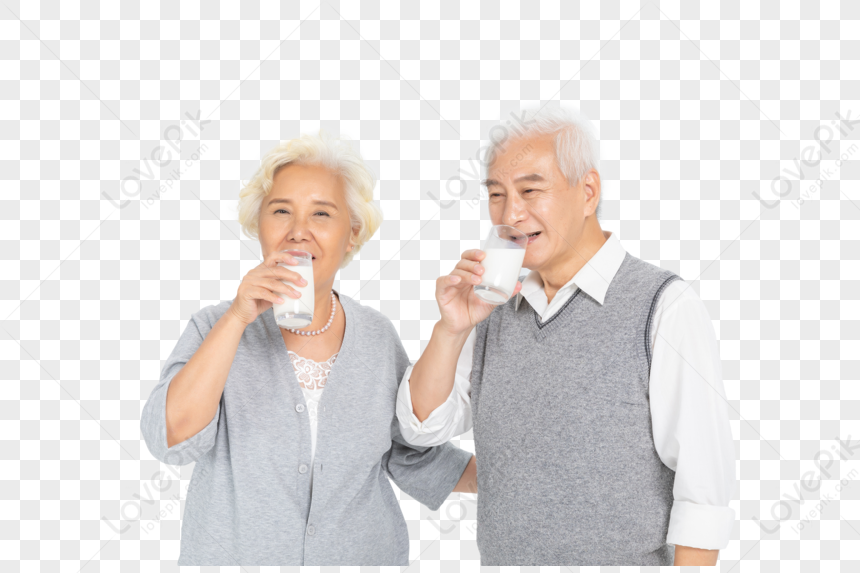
{"x":460,"y":307}
{"x":264,"y":286}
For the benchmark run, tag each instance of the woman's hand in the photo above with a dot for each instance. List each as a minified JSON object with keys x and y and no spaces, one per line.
{"x":460,"y":307}
{"x":263,"y":286}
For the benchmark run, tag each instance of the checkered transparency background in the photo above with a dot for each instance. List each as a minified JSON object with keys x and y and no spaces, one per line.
{"x":114,"y":231}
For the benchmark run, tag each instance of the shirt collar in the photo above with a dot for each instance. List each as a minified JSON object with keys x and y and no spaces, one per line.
{"x":593,"y":278}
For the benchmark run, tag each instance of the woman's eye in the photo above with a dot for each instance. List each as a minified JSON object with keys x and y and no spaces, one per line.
{"x":281,"y":211}
{"x":322,"y":213}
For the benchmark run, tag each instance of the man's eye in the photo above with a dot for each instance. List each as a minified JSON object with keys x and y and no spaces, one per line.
{"x":528,"y":190}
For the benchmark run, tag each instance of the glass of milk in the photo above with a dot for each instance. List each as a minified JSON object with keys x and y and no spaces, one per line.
{"x":505,"y":249}
{"x":297,"y":312}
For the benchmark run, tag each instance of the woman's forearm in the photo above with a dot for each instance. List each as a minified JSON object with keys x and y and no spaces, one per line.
{"x":432,"y":377}
{"x":194,"y":392}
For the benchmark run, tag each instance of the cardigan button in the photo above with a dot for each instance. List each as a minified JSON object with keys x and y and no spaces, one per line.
{"x":300,"y":407}
{"x":311,"y":530}
{"x":303,"y":469}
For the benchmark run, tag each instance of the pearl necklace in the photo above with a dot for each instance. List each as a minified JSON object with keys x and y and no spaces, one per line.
{"x":324,"y":328}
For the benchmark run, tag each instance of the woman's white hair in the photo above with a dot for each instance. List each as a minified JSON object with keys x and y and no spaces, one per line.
{"x":332,"y":153}
{"x":577,"y":149}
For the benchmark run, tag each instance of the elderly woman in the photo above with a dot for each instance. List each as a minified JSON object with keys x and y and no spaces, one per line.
{"x":294,"y":430}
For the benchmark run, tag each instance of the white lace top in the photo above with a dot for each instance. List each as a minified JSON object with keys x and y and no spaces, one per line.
{"x":312,"y":377}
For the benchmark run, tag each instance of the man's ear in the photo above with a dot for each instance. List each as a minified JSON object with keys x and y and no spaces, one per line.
{"x":591,"y":188}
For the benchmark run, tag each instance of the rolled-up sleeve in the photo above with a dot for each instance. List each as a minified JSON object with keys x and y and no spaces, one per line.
{"x":452,"y":417}
{"x":153,"y":423}
{"x":690,"y":420}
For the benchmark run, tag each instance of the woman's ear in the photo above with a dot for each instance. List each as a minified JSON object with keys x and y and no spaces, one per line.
{"x":352,"y":239}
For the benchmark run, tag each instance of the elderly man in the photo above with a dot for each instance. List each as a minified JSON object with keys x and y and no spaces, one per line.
{"x":600,"y":419}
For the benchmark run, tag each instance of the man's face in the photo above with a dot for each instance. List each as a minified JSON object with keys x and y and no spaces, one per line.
{"x":527,"y":190}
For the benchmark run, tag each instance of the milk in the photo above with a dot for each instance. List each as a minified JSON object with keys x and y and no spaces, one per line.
{"x":501,"y":271}
{"x":297,"y":313}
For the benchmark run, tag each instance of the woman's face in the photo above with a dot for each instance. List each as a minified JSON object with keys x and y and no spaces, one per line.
{"x":307,"y":210}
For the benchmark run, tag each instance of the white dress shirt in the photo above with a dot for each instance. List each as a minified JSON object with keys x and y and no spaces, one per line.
{"x":689,"y":410}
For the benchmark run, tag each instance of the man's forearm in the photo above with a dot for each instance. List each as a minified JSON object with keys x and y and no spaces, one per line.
{"x":469,"y":480}
{"x":695,"y":556}
{"x":432,"y":377}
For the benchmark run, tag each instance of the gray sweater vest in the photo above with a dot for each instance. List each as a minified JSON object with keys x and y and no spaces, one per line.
{"x":567,"y":469}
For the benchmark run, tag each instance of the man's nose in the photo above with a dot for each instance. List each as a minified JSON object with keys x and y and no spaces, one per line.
{"x":514,"y":211}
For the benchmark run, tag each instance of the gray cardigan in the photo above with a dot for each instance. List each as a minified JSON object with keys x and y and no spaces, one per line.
{"x":250,"y":500}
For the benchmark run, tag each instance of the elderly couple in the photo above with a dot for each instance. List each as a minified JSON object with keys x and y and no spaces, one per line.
{"x":595,"y":392}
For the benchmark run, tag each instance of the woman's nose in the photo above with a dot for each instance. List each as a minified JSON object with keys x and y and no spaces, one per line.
{"x":298,"y":232}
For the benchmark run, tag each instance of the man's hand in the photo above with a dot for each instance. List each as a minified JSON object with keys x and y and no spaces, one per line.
{"x":695,"y":556}
{"x":461,"y":309}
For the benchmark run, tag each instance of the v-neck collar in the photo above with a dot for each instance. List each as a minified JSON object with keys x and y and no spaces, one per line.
{"x":593,"y":278}
{"x":542,"y":325}
{"x":284,"y":360}
{"x":293,"y":388}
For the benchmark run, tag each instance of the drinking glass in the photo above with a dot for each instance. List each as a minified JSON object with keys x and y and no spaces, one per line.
{"x":505,"y":249}
{"x":297,"y":312}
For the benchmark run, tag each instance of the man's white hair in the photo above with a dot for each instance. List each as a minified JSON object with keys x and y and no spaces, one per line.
{"x":577,"y":150}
